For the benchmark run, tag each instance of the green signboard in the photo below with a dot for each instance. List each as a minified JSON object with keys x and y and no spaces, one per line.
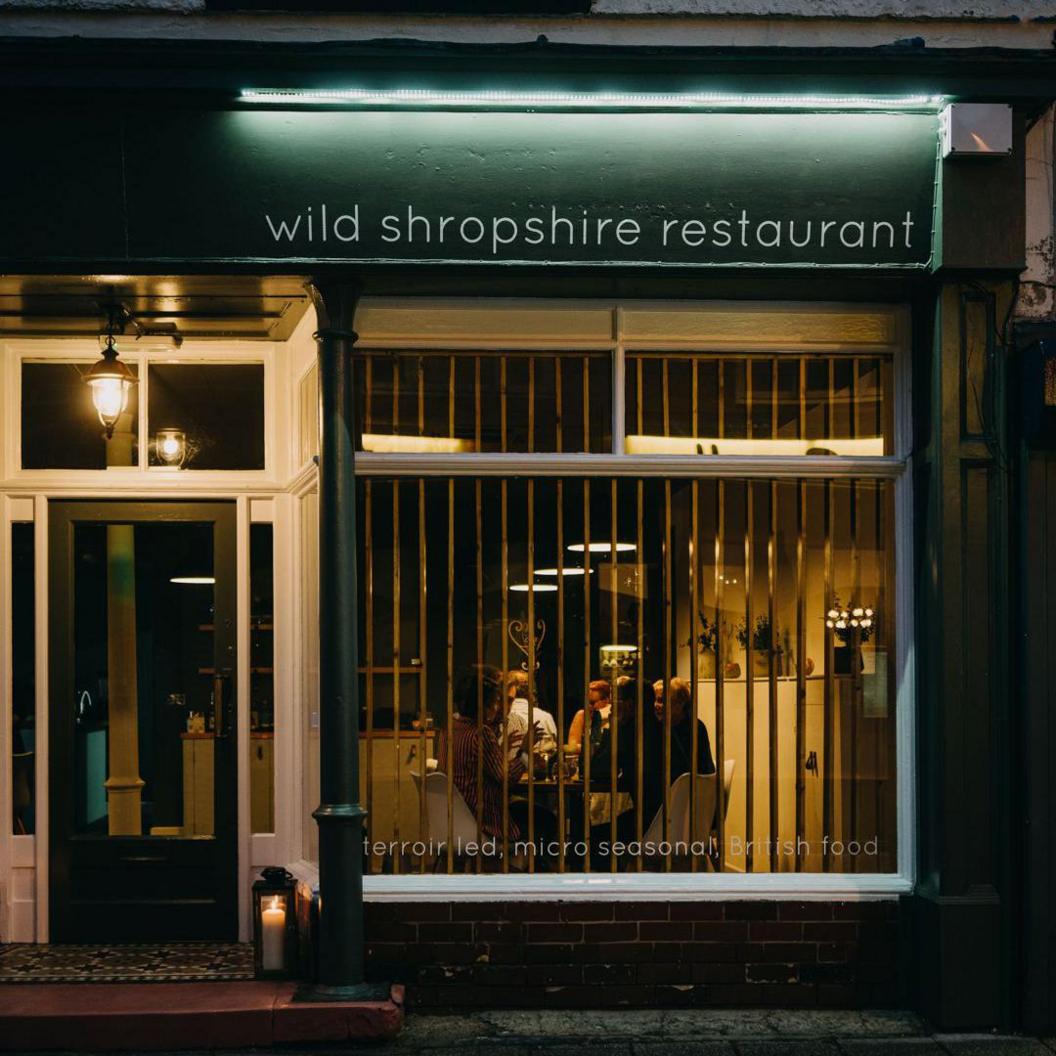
{"x":289,"y":188}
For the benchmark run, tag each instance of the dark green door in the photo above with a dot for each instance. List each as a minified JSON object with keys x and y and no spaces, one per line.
{"x":143,"y":787}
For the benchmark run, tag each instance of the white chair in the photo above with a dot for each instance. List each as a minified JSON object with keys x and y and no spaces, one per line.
{"x":704,"y":814}
{"x":463,"y":823}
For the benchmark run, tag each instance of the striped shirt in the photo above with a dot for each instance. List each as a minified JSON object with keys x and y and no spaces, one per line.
{"x":468,"y":742}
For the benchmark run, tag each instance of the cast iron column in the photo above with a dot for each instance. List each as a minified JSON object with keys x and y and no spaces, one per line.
{"x":339,"y":816}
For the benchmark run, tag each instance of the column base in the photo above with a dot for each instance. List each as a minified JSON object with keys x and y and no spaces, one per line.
{"x":318,"y":993}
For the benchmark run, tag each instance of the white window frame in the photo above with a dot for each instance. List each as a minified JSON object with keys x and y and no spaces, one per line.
{"x":400,"y":332}
{"x":126,"y":480}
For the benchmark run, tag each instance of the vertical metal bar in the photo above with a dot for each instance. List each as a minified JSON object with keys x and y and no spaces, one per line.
{"x":667,"y":664}
{"x":558,"y":403}
{"x":502,"y":402}
{"x":395,"y":394}
{"x":587,"y":715}
{"x":613,"y":716}
{"x":450,"y":682}
{"x":749,"y":425}
{"x":801,"y":675}
{"x":749,"y":681}
{"x":504,"y":573}
{"x":771,"y":585}
{"x":531,"y":403}
{"x":827,"y":695}
{"x":450,"y":686}
{"x":667,"y":396}
{"x":722,"y":398}
{"x":639,"y":374}
{"x":368,"y":560}
{"x":586,"y":403}
{"x":422,"y":640}
{"x":720,"y":672}
{"x":560,"y":645}
{"x":480,"y":659}
{"x":694,"y":603}
{"x":855,"y":682}
{"x":396,"y":664}
{"x":368,"y":404}
{"x":694,"y":366}
{"x":639,"y":581}
{"x":531,"y":672}
{"x":773,"y":398}
{"x":423,"y":666}
{"x":476,"y":404}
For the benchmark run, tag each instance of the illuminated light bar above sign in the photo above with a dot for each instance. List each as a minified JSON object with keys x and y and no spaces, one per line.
{"x":435,"y":99}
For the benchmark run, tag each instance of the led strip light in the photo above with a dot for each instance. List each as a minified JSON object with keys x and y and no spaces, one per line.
{"x":421,"y":98}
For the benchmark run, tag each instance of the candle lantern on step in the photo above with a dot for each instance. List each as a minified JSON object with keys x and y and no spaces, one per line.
{"x":274,"y":924}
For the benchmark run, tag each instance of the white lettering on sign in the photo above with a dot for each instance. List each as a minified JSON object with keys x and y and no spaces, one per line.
{"x":410,"y":227}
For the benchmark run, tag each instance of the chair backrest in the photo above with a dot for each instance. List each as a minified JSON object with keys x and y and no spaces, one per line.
{"x":727,"y":784}
{"x":463,"y":823}
{"x":703,"y":813}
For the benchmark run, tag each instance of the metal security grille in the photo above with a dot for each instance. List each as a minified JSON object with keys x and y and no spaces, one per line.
{"x":761,"y":609}
{"x":782,"y":404}
{"x":428,"y":402}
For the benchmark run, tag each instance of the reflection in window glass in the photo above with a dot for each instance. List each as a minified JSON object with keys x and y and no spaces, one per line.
{"x":460,"y":402}
{"x":216,"y":411}
{"x":60,"y":426}
{"x":143,"y":666}
{"x":23,"y":677}
{"x":262,"y":678}
{"x":763,"y":608}
{"x":784,"y":404}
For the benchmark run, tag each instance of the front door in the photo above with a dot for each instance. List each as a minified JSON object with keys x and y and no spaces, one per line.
{"x":142,"y":757}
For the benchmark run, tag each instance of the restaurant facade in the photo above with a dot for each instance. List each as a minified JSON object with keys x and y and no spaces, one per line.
{"x":588,"y":502}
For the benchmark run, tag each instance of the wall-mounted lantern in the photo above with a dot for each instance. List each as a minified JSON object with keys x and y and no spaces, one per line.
{"x":110,"y":380}
{"x":170,"y":445}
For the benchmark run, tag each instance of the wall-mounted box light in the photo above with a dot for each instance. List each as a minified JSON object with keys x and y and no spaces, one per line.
{"x":976,"y":130}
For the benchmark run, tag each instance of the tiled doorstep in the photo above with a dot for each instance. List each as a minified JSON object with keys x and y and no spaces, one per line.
{"x":158,"y":1016}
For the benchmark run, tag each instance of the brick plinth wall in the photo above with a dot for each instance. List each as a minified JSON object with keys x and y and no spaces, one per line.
{"x":637,"y":954}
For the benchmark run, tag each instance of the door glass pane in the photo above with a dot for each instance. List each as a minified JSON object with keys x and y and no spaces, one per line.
{"x":23,"y":678}
{"x":145,"y":691}
{"x":60,"y":426}
{"x":262,"y":679}
{"x":215,"y":410}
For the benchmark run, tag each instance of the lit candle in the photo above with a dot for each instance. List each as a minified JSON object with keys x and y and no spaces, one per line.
{"x":273,"y":933}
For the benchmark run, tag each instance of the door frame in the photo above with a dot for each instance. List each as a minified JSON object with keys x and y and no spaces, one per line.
{"x":63,"y":515}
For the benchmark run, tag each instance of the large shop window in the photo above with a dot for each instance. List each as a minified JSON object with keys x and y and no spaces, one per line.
{"x":642,"y":670}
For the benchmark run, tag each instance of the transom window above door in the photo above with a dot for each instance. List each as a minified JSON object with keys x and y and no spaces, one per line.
{"x":190,"y":415}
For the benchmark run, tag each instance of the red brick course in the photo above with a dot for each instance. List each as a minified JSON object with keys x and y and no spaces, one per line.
{"x":637,"y":954}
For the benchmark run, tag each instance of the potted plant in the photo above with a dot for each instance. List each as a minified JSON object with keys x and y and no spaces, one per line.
{"x":762,"y":645}
{"x":850,"y":628}
{"x":707,"y":644}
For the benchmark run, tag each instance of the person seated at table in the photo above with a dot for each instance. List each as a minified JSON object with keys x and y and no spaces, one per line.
{"x":681,"y":699}
{"x":545,"y":734}
{"x":599,"y":704}
{"x":603,"y":803}
{"x":471,"y":740}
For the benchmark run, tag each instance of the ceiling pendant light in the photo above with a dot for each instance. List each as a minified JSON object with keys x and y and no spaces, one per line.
{"x":110,"y":380}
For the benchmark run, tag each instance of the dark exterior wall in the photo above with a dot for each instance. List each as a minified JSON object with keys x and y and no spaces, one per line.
{"x":637,"y":954}
{"x":963,"y":911}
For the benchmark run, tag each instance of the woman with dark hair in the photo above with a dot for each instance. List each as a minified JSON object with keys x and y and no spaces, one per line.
{"x":478,"y":699}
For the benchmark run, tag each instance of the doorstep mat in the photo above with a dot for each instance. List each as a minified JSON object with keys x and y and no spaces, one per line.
{"x":174,"y":962}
